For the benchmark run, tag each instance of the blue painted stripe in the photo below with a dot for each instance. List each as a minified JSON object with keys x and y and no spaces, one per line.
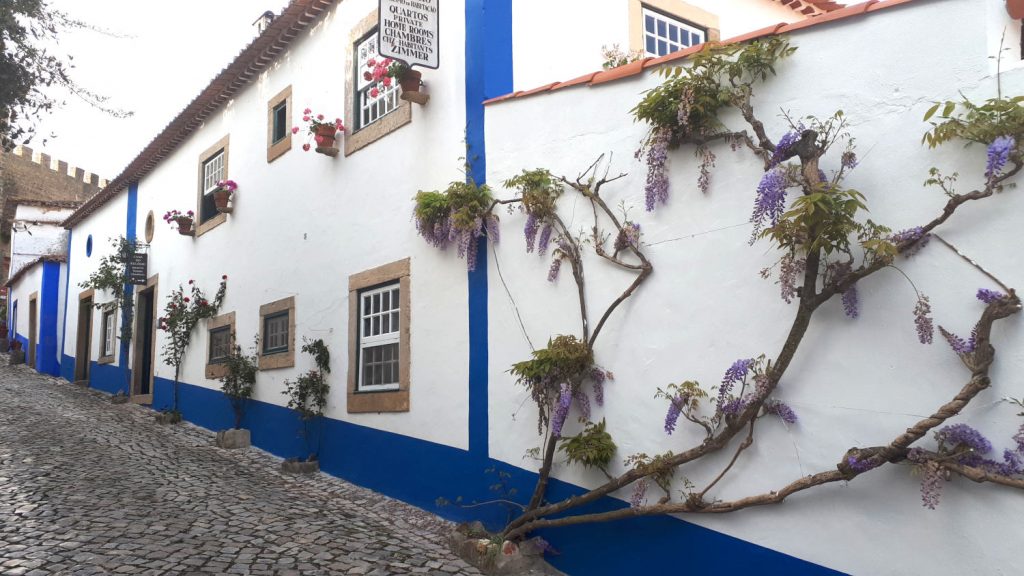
{"x":488,"y":72}
{"x":47,"y":361}
{"x":69,"y":376}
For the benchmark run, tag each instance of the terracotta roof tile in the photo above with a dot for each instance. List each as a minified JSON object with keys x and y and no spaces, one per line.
{"x":833,"y":13}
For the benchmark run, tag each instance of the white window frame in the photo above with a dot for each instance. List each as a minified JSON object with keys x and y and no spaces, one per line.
{"x":671,"y":45}
{"x":392,"y":336}
{"x":211,"y":177}
{"x":370,"y":109}
{"x":108,"y":333}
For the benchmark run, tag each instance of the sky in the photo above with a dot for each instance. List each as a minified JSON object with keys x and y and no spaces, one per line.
{"x":166,"y":54}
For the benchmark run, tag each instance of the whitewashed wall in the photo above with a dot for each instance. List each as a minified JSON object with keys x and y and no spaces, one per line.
{"x":106,"y":223}
{"x":854,"y":382}
{"x":557,"y":41}
{"x":36,"y":231}
{"x":305,"y":222}
{"x":20,"y":292}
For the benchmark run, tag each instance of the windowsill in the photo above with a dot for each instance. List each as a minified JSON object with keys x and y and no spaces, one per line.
{"x":216,"y":370}
{"x":277,"y":360}
{"x":394,"y":388}
{"x":105,"y":359}
{"x":382,"y":127}
{"x":211,"y":224}
{"x":378,"y":401}
{"x":278,"y":149}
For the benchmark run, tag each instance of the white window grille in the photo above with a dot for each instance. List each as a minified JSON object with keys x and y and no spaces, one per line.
{"x":379,"y":335}
{"x":369,"y":109}
{"x":213,"y":172}
{"x":108,"y":333}
{"x":664,"y":34}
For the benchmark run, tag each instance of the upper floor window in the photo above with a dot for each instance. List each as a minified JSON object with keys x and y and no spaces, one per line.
{"x":213,"y":167}
{"x":664,"y":34}
{"x":279,"y":123}
{"x":371,"y":103}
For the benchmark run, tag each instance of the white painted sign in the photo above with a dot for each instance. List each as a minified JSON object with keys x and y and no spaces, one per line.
{"x":409,"y":31}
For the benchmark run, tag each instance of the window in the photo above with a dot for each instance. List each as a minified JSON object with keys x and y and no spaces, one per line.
{"x":659,"y":27}
{"x":213,"y":167}
{"x":107,"y":326}
{"x":379,"y":347}
{"x":370,"y":118}
{"x":279,"y":124}
{"x":277,"y":334}
{"x":378,"y":338}
{"x":371,"y":108}
{"x":221,"y":331}
{"x":664,"y":34}
{"x":220,"y":345}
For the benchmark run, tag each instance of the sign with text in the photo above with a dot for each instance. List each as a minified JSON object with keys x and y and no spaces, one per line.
{"x":409,"y":31}
{"x":137,"y":273}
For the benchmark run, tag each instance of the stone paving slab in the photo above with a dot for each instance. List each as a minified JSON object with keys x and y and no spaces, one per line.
{"x":88,"y":488}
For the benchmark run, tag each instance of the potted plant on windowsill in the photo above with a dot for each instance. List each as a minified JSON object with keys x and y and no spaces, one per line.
{"x":222,"y":195}
{"x":387,"y":71}
{"x":322,"y":131}
{"x":182,"y":221}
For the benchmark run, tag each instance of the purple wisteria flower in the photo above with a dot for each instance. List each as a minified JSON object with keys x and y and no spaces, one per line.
{"x":958,"y":344}
{"x":931,"y":485}
{"x":493,"y":228}
{"x":707,"y":162}
{"x":1019,"y":439}
{"x":914,"y":237}
{"x":849,"y":160}
{"x":556,"y":265}
{"x":734,"y":406}
{"x":769,"y":202}
{"x":544,"y":239}
{"x":922,"y":320}
{"x":598,"y":376}
{"x":790,"y":268}
{"x":860,"y":465}
{"x":962,"y":435}
{"x":851,"y":301}
{"x":735,"y":374}
{"x":582,"y":402}
{"x":785,"y":143}
{"x":998,"y":154}
{"x":639,"y":491}
{"x":989,"y":296}
{"x":530,"y":231}
{"x":628,"y":236}
{"x":561,"y":410}
{"x":656,"y":188}
{"x":675,"y":408}
{"x":780,"y":409}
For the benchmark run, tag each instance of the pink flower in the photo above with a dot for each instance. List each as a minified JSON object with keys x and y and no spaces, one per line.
{"x":295,"y":129}
{"x":386,"y":81}
{"x":371,"y":62}
{"x":319,"y":116}
{"x":224,"y":277}
{"x":305,"y":147}
{"x":191,"y":281}
{"x":374,"y":92}
{"x":191,"y":213}
{"x":307,"y":111}
{"x":367,"y":76}
{"x":305,"y":118}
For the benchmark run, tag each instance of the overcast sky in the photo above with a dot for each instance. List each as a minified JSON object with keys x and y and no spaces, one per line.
{"x":170,"y":53}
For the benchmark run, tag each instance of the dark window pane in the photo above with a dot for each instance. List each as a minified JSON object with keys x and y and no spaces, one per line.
{"x":662,"y":48}
{"x":280,"y":120}
{"x":651,"y":45}
{"x":208,"y":208}
{"x":673,"y":33}
{"x":661,"y":28}
{"x":649,"y":23}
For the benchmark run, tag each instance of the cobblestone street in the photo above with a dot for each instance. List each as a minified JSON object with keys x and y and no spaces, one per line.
{"x":88,"y":487}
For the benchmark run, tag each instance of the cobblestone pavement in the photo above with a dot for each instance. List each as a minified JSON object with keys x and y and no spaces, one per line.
{"x":88,"y":487}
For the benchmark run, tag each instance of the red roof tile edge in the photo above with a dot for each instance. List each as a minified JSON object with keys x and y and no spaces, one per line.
{"x":633,"y":69}
{"x":24,"y":269}
{"x":256,"y":56}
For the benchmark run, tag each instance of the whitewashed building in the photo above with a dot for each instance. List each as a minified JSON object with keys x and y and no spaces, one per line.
{"x":316,"y":246}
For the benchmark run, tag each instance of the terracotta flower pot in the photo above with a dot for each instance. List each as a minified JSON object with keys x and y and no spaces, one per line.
{"x":410,"y":81}
{"x":184,"y":226}
{"x":1015,"y":8}
{"x":326,"y":134}
{"x":220,"y":199}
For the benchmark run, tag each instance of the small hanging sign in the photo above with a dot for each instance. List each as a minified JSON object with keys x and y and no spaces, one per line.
{"x":137,"y":269}
{"x":409,"y":31}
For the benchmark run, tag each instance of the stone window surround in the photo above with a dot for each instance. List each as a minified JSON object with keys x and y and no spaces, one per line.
{"x":285,"y":359}
{"x":674,"y":8}
{"x":386,"y":400}
{"x":220,"y":218}
{"x":219,"y":369}
{"x":359,"y":139}
{"x":111,"y":309}
{"x":275,"y":150}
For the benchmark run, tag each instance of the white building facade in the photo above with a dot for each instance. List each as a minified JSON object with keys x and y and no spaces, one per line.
{"x":314,"y":246}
